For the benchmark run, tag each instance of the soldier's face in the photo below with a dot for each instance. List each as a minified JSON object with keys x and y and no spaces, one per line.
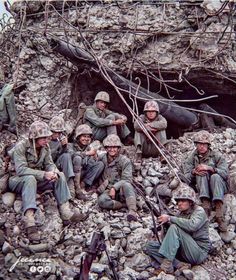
{"x":113,"y":151}
{"x":101,"y":105}
{"x":85,"y":139}
{"x":202,"y":148}
{"x":183,"y":204}
{"x":151,"y":115}
{"x":56,"y":135}
{"x":42,"y":142}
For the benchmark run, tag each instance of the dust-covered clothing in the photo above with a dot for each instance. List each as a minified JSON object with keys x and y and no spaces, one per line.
{"x":187,"y":238}
{"x":89,"y":167}
{"x":147,"y":147}
{"x":212,"y":185}
{"x":119,"y":176}
{"x":101,"y":123}
{"x":30,"y":170}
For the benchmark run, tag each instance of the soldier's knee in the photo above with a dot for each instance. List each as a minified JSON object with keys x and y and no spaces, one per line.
{"x":77,"y":161}
{"x":111,"y":117}
{"x":66,"y":156}
{"x":215,"y":177}
{"x":173,"y":228}
{"x":30,"y":179}
{"x":105,"y":202}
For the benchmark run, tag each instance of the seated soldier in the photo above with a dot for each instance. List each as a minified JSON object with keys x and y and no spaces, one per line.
{"x":209,"y":171}
{"x":59,"y":150}
{"x":187,"y":238}
{"x":118,"y":174}
{"x":154,"y":123}
{"x":87,"y":168}
{"x":36,"y":172}
{"x":105,"y":122}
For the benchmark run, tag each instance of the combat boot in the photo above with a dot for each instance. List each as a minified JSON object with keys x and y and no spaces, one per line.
{"x":220,"y":216}
{"x":31,"y":229}
{"x":131,"y":204}
{"x":167,"y":266}
{"x":78,"y":191}
{"x":68,"y":216}
{"x":71,"y":187}
{"x":118,"y":205}
{"x":206,"y":205}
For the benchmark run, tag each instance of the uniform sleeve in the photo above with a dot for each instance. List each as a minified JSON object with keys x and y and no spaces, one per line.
{"x":221,"y":167}
{"x":21,"y":164}
{"x":159,"y":124}
{"x":188,"y":166}
{"x":91,"y":116}
{"x":196,"y":221}
{"x":136,"y":124}
{"x":126,"y":174}
{"x":48,"y":162}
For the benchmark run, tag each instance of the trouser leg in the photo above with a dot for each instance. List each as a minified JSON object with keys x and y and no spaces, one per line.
{"x":64,"y":163}
{"x":178,"y":241}
{"x":105,"y":201}
{"x":77,"y":163}
{"x":91,"y":171}
{"x":124,"y":131}
{"x":218,"y":187}
{"x":112,"y":128}
{"x":61,"y":190}
{"x":203,"y":186}
{"x":27,"y":187}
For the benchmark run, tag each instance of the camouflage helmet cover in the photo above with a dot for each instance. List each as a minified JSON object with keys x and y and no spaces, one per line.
{"x":103,"y":96}
{"x":57,"y":124}
{"x":83,"y":129}
{"x":39,"y":129}
{"x":151,"y":106}
{"x":203,"y":136}
{"x":185,"y":192}
{"x":112,"y":140}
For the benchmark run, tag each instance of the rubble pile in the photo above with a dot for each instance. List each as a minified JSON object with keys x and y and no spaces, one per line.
{"x":64,"y":247}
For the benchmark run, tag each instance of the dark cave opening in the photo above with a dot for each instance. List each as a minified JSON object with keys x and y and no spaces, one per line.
{"x":85,"y":87}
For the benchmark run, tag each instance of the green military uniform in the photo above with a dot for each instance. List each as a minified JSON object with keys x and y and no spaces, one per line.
{"x":29,"y":177}
{"x":7,"y":108}
{"x":211,"y":185}
{"x":101,"y":123}
{"x":62,"y":158}
{"x":187,"y":238}
{"x":89,"y":168}
{"x":119,"y":175}
{"x":147,"y":147}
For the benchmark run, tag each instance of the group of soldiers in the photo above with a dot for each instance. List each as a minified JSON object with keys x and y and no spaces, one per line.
{"x":45,"y":160}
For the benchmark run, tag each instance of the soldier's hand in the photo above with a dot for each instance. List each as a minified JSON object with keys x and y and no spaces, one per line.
{"x":50,"y":175}
{"x":119,"y":122}
{"x":91,"y":152}
{"x":199,"y":172}
{"x":64,"y":141}
{"x":164,"y":218}
{"x":112,"y":193}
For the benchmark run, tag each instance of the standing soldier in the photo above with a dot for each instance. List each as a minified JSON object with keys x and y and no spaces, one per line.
{"x":105,"y":122}
{"x":35,"y":171}
{"x":209,"y":171}
{"x":87,"y":168}
{"x":154,"y":123}
{"x":187,"y":238}
{"x":118,"y":175}
{"x":59,"y":150}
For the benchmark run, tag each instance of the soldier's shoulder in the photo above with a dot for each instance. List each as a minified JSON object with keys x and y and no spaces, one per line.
{"x":124,"y":159}
{"x":199,"y":209}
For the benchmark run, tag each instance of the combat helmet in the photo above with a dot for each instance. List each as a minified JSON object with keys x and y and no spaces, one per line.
{"x":112,"y":140}
{"x":151,"y":106}
{"x":57,"y":124}
{"x":103,"y":96}
{"x":39,"y":129}
{"x":203,"y":136}
{"x":82,"y":129}
{"x":185,"y":192}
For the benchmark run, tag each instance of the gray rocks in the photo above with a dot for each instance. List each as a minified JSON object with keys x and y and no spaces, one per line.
{"x":8,"y":198}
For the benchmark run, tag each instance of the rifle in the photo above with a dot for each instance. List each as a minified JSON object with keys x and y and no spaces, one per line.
{"x":96,"y":246}
{"x":154,"y":211}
